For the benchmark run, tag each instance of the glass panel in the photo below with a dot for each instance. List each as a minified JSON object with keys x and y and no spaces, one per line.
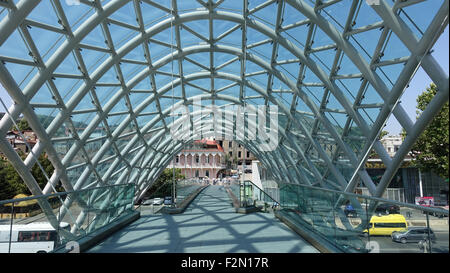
{"x":43,"y":224}
{"x":185,"y":189}
{"x":357,"y":223}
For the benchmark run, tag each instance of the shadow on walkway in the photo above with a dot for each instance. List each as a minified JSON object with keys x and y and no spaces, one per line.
{"x":209,"y":225}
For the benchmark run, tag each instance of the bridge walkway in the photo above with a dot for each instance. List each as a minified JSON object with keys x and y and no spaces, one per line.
{"x":209,"y":225}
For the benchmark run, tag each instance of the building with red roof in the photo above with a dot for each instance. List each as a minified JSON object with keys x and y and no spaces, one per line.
{"x":202,"y":159}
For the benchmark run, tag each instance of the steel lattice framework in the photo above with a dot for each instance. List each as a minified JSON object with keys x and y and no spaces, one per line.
{"x":96,"y":81}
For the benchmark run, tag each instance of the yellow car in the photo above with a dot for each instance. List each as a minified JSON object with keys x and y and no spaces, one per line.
{"x":386,"y":224}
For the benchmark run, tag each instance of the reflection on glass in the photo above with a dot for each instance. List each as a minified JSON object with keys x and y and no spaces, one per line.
{"x":356,"y":223}
{"x":45,"y":223}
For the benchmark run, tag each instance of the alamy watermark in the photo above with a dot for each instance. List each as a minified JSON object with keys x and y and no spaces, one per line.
{"x":373,"y":247}
{"x":373,"y":2}
{"x":232,"y":122}
{"x":72,"y":247}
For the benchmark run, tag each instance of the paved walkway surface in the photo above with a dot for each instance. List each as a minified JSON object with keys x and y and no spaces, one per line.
{"x":208,"y":225}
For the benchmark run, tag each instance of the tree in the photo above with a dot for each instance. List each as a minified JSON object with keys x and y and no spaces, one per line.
{"x":39,"y":175}
{"x":12,"y":184}
{"x":228,"y":161}
{"x":431,"y":152}
{"x":14,"y":180}
{"x":6,"y":190}
{"x":234,"y":162}
{"x":22,"y":124}
{"x":163,"y":184}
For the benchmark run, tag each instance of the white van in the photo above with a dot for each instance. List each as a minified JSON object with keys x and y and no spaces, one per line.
{"x":39,"y":237}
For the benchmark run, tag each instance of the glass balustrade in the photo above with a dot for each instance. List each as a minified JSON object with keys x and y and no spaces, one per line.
{"x":185,"y":188}
{"x":356,"y":223}
{"x":252,"y":195}
{"x":44,"y":223}
{"x":247,"y":194}
{"x":160,"y":197}
{"x":234,"y":188}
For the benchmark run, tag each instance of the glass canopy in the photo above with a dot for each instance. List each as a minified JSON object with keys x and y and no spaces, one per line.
{"x":106,"y":83}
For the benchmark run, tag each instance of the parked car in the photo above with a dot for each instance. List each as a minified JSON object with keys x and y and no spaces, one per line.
{"x":385,"y":208}
{"x":158,"y":201}
{"x":350,"y":211}
{"x":413,"y":234}
{"x":147,"y":202}
{"x":168,"y":200}
{"x":437,"y":214}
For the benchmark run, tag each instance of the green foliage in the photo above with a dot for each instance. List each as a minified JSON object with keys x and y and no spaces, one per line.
{"x":383,"y":134}
{"x":163,"y":184}
{"x":228,"y":161}
{"x":12,"y":184}
{"x":374,"y":154}
{"x":22,"y":124}
{"x":37,"y":172}
{"x":431,"y":152}
{"x":6,"y":189}
{"x":45,"y":121}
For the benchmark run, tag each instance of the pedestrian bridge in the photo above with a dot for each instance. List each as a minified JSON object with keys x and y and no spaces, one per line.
{"x":209,"y":225}
{"x":237,"y":217}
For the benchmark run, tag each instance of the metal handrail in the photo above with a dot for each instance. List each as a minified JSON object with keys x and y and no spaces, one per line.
{"x":377,"y":199}
{"x":262,"y":191}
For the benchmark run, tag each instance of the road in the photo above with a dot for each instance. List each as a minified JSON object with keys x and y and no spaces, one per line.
{"x":386,"y":245}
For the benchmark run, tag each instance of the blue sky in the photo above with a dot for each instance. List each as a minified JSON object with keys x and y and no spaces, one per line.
{"x":419,"y":83}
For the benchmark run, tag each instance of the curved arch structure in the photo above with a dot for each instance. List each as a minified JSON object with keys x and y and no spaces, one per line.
{"x":98,"y":81}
